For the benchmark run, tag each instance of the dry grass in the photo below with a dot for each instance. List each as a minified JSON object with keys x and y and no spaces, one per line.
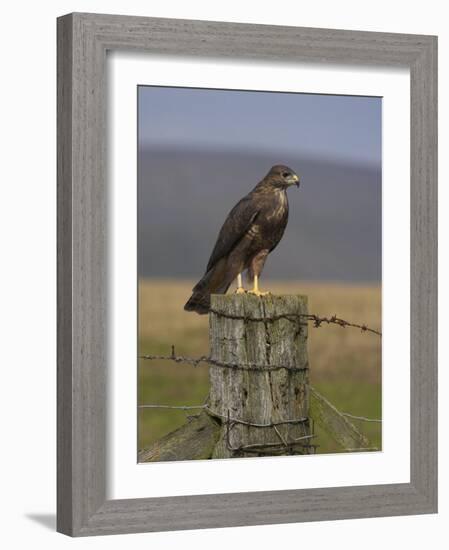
{"x":345,"y":364}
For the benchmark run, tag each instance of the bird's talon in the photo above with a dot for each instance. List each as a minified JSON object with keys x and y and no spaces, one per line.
{"x":240,"y":290}
{"x":258,"y":293}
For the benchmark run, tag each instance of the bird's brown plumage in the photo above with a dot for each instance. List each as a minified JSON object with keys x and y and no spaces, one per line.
{"x":252,"y":229}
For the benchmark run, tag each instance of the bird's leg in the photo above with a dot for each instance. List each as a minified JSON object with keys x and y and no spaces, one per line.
{"x":255,"y":289}
{"x":240,"y":289}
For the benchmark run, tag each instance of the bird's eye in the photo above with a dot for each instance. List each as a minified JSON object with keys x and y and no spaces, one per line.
{"x":285,"y":174}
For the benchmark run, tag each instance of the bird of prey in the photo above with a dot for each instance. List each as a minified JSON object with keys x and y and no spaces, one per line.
{"x":251,"y":231}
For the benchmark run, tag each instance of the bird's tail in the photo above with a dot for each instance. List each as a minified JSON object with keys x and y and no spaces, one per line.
{"x":213,"y":282}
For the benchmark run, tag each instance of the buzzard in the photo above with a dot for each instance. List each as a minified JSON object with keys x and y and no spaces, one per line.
{"x":251,"y":231}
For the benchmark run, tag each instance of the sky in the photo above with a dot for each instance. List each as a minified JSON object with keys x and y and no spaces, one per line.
{"x":201,"y":150}
{"x":345,"y":128}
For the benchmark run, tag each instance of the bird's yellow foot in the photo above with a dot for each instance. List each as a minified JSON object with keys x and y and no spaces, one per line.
{"x":240,"y":290}
{"x":257,"y":292}
{"x":255,"y":289}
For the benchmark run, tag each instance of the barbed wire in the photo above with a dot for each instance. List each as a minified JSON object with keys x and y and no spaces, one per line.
{"x":294,"y":317}
{"x":195,"y":361}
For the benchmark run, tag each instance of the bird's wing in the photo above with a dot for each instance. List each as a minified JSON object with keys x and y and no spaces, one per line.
{"x":237,"y":223}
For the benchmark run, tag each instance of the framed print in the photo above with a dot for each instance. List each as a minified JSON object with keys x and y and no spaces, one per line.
{"x":246,"y":274}
{"x":253,"y":129}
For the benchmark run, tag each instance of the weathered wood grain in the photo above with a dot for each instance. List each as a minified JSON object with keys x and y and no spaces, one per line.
{"x":252,"y":395}
{"x":334,"y":423}
{"x":194,"y":440}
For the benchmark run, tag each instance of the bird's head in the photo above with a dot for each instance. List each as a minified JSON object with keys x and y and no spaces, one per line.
{"x":281,"y":176}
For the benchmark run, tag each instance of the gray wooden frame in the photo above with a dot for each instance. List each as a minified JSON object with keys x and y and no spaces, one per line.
{"x":83,"y":40}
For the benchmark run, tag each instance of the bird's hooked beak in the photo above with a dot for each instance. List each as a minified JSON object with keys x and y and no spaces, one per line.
{"x":294,"y":180}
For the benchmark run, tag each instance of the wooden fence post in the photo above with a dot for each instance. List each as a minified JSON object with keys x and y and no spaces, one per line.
{"x":263,"y":402}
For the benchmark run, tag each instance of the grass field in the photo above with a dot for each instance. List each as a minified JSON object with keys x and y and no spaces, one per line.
{"x":345,"y":364}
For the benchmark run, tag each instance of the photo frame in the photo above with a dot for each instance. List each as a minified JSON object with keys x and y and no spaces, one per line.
{"x":83,"y":228}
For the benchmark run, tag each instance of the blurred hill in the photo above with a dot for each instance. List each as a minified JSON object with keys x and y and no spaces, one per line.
{"x":334,"y":230}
